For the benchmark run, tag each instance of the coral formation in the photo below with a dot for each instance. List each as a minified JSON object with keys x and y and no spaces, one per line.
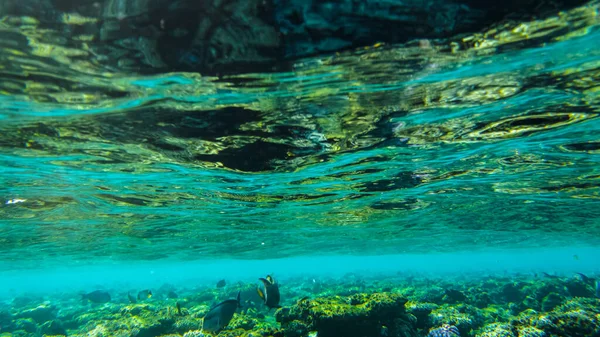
{"x":521,"y":306}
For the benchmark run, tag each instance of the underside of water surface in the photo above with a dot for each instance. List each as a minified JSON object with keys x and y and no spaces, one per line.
{"x":404,"y":168}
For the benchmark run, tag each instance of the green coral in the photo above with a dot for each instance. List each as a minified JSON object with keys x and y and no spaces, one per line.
{"x":451,"y":316}
{"x":497,"y":330}
{"x":368,"y":313}
{"x":551,"y":301}
{"x":358,"y":315}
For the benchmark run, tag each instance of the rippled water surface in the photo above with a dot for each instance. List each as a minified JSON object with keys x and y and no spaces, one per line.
{"x":488,"y":140}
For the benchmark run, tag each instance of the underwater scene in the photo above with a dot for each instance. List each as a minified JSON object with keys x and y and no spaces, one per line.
{"x":300,"y":168}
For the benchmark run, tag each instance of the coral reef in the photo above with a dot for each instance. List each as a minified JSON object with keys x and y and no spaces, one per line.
{"x":520,"y":306}
{"x":357,"y":315}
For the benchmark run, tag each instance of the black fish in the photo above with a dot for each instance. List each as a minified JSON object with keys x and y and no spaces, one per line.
{"x":221,"y":284}
{"x":220,"y":315}
{"x":98,"y":296}
{"x":270,"y":292}
{"x":178,"y":306}
{"x":131,"y":298}
{"x":598,"y":288}
{"x":144,"y":294}
{"x":550,"y":276}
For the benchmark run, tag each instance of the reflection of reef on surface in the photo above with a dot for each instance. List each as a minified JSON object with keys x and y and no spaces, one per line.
{"x":237,"y":35}
{"x":281,"y":122}
{"x":400,"y":143}
{"x":413,"y":306}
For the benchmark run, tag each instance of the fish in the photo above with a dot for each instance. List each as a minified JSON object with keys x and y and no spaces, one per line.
{"x":270,"y":292}
{"x":171,"y":294}
{"x":221,"y":284}
{"x":131,"y":298}
{"x":550,"y":276}
{"x":220,"y":315}
{"x":598,"y":288}
{"x":97,"y":296}
{"x":144,"y":294}
{"x":178,"y":306}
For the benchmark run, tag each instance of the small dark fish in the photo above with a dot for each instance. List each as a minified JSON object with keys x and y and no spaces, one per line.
{"x":220,"y":315}
{"x":550,"y":276}
{"x":178,"y":306}
{"x":131,"y":298}
{"x":598,"y":288}
{"x":144,"y":294}
{"x":270,"y":292}
{"x":171,"y":294}
{"x":98,"y":296}
{"x":221,"y":284}
{"x":576,"y":257}
{"x":260,"y":316}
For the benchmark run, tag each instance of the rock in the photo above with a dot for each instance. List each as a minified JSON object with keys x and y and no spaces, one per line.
{"x":421,"y":311}
{"x":187,"y":323}
{"x":482,"y":299}
{"x":25,"y":324}
{"x":451,"y":316}
{"x":530,"y":303}
{"x":497,"y":330}
{"x":16,"y":333}
{"x":40,"y":314}
{"x":295,"y":328}
{"x":578,"y":288}
{"x":23,"y":301}
{"x":357,"y":315}
{"x":194,"y":333}
{"x":576,"y":318}
{"x":432,"y":294}
{"x":243,"y":322}
{"x":6,"y":321}
{"x":454,"y":296}
{"x":157,"y":327}
{"x":141,"y":320}
{"x":512,"y":293}
{"x":545,"y":288}
{"x":53,"y":328}
{"x":444,"y":331}
{"x":528,"y":331}
{"x":551,"y":301}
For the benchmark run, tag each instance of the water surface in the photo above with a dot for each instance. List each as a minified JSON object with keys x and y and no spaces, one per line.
{"x":478,"y":143}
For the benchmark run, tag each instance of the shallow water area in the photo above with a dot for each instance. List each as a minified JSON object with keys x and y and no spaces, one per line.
{"x":439,"y":177}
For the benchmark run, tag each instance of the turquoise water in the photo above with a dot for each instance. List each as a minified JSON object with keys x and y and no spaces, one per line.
{"x":396,"y":149}
{"x":430,"y":158}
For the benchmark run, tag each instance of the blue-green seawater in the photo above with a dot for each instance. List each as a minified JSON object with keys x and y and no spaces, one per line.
{"x":432,"y":156}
